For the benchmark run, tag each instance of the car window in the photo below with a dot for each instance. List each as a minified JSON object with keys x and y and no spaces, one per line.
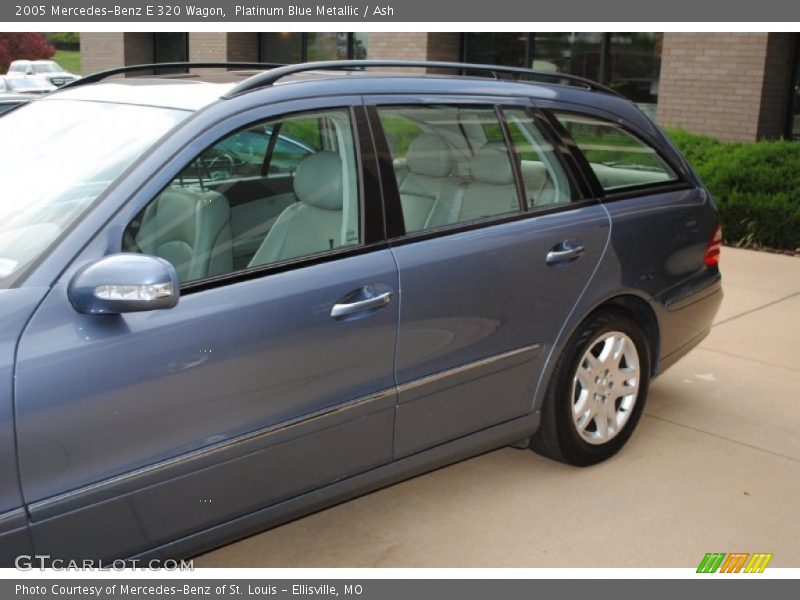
{"x":47,"y":68}
{"x":275,"y":191}
{"x":451,"y":166}
{"x":543,"y":176}
{"x":618,"y":158}
{"x":291,"y":149}
{"x":64,"y":155}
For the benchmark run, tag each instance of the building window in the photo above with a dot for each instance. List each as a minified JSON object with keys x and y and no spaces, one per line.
{"x":170,"y":47}
{"x":510,"y":49}
{"x":627,"y":62}
{"x":634,"y":65}
{"x":286,"y":48}
{"x":581,"y":54}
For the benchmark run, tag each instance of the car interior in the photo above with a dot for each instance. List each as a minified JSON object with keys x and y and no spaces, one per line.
{"x":453,"y":164}
{"x":259,"y":196}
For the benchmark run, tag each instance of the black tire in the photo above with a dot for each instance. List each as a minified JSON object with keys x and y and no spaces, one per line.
{"x":557,"y":436}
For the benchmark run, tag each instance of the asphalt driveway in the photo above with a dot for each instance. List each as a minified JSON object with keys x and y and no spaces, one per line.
{"x":713,"y":467}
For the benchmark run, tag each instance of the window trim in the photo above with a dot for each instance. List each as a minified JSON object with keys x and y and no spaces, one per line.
{"x":578,"y":183}
{"x":513,"y":156}
{"x":467,"y":226}
{"x":657,"y":187}
{"x":276,"y":267}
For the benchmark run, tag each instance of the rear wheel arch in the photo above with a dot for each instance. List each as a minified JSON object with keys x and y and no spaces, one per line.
{"x":642,"y":313}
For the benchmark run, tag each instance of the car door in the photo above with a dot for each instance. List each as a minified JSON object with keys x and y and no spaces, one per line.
{"x":494,"y":243}
{"x":266,"y":381}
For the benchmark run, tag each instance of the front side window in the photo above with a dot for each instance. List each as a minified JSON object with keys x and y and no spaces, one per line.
{"x":277,"y":190}
{"x":59,"y":157}
{"x":618,"y":158}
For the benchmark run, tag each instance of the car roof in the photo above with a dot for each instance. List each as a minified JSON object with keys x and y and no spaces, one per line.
{"x":194,"y":91}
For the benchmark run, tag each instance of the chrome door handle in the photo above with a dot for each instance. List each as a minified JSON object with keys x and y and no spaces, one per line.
{"x":565,"y":252}
{"x":349,"y":308}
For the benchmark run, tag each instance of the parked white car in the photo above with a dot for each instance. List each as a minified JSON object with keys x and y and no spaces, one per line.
{"x":26,"y":85}
{"x":47,"y":69}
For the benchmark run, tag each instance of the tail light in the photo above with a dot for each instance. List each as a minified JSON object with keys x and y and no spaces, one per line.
{"x":712,"y":248}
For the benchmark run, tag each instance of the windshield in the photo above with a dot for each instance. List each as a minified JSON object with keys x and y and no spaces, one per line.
{"x":26,"y":84}
{"x":57,"y":156}
{"x":47,"y":68}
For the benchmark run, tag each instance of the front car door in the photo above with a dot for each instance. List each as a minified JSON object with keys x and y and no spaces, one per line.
{"x":274,"y":374}
{"x":495,"y":241}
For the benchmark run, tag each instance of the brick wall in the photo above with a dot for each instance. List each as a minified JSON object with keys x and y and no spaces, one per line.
{"x":101,"y":50}
{"x":414,"y":46}
{"x":398,"y":46}
{"x":107,"y":50}
{"x":243,"y":47}
{"x":207,"y":46}
{"x":139,"y":48}
{"x":724,"y":84}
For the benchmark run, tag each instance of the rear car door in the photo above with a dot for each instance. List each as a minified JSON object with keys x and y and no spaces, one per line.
{"x":495,"y":238}
{"x":273,"y":376}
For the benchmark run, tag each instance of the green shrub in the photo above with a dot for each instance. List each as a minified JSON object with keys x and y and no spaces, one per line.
{"x":64,"y":40}
{"x":756,"y":185}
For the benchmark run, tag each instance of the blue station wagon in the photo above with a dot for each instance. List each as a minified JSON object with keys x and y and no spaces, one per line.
{"x":230,"y":300}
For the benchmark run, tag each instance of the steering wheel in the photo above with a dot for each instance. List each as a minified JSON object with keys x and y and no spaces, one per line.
{"x":220,"y":166}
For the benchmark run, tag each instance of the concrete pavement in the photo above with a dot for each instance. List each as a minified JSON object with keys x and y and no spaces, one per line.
{"x":713,"y":467}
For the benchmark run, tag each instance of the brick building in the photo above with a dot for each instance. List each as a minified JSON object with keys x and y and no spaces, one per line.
{"x":735,"y":86}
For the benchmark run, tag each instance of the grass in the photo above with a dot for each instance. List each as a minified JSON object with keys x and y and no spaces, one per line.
{"x":70,"y":60}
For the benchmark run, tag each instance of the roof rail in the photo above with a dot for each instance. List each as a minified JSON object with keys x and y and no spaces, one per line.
{"x":272,"y":76}
{"x":101,"y":75}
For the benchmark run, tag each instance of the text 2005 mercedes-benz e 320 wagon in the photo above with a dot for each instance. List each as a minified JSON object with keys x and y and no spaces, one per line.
{"x":379,"y":273}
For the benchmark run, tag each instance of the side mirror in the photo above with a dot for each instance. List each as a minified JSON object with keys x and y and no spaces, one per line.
{"x":123,"y":283}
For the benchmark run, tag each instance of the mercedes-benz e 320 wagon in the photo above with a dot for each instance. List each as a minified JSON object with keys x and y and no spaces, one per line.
{"x":230,"y":300}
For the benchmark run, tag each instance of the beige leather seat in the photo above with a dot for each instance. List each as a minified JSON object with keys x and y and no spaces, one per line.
{"x":429,"y":162}
{"x":492,"y":190}
{"x":313,"y":223}
{"x":192,"y":230}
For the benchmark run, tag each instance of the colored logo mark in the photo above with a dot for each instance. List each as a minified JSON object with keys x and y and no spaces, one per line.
{"x":737,"y":562}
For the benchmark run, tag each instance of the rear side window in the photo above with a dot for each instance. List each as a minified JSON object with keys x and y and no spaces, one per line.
{"x":618,"y":158}
{"x":452,"y":164}
{"x":544,"y":178}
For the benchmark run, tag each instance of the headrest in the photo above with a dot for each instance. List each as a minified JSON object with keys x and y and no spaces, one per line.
{"x":491,"y":164}
{"x":430,"y":155}
{"x":318,"y":181}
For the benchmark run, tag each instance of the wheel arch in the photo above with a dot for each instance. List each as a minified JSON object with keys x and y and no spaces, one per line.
{"x":644,"y":316}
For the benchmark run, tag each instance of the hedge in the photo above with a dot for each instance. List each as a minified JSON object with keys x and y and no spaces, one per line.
{"x":756,"y":186}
